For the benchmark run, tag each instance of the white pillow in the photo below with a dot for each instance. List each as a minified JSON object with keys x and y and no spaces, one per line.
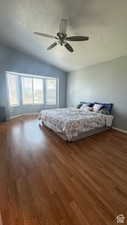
{"x":97,"y":107}
{"x":85,"y":108}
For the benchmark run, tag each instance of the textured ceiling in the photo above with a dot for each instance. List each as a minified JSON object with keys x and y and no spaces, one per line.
{"x":105,"y":21}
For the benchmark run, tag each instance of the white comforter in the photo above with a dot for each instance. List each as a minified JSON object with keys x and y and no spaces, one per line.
{"x":72,"y":122}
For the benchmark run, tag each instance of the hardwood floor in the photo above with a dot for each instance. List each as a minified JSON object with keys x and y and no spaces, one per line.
{"x":46,"y":181}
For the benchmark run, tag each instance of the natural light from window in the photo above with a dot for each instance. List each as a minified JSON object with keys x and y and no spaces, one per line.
{"x":32,"y":90}
{"x":50,"y":92}
{"x":13,"y":90}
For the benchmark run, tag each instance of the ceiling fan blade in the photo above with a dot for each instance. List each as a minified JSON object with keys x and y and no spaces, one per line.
{"x":63,"y":26}
{"x":68,"y":47}
{"x":77,"y":38}
{"x":52,"y":46}
{"x":45,"y":35}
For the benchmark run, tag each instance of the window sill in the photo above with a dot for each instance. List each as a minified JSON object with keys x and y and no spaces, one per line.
{"x":35,"y":106}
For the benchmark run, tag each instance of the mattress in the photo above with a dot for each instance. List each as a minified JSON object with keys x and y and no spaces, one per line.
{"x":71,"y":123}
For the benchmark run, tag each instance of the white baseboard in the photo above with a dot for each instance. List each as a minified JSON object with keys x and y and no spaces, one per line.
{"x":24,"y":114}
{"x":13,"y":117}
{"x":120,"y":130}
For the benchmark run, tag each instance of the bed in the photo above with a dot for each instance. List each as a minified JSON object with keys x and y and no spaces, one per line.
{"x":73,"y":124}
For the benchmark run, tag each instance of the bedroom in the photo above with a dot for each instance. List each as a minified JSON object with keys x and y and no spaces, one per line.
{"x":63,"y":129}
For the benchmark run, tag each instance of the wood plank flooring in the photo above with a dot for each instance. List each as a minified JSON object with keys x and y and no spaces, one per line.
{"x":46,"y":181}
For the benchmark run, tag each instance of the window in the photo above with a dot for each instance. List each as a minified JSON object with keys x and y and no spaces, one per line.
{"x":27,"y":90}
{"x":38,"y":91}
{"x":13,"y":90}
{"x":51,"y":91}
{"x":32,"y":90}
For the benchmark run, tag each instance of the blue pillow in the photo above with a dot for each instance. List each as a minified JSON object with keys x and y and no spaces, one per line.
{"x":107,"y":106}
{"x":90,"y":104}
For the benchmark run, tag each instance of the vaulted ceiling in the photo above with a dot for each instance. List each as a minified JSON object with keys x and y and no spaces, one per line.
{"x":104,"y":21}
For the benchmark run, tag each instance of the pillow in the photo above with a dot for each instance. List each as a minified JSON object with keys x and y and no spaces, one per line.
{"x":97,"y":107}
{"x":108,"y":106}
{"x":86,"y":108}
{"x":88,"y":103}
{"x":104,"y":111}
{"x":79,"y":106}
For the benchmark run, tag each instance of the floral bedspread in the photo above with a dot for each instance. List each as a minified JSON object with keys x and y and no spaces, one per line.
{"x":71,"y":122}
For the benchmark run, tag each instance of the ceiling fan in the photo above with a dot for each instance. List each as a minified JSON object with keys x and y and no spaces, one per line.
{"x":62,"y":38}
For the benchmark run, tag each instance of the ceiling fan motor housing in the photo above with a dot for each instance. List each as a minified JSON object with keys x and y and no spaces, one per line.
{"x":61,"y":37}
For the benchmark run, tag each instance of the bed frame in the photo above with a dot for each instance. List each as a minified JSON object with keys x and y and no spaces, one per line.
{"x":75,"y":138}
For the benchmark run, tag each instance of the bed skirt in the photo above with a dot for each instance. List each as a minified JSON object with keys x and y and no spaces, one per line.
{"x":75,"y":138}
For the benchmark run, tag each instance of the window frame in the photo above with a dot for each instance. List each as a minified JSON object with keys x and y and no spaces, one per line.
{"x":47,"y":89}
{"x":20,"y":91}
{"x":32,"y":77}
{"x":17,"y":90}
{"x":25,"y":104}
{"x":42,"y":90}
